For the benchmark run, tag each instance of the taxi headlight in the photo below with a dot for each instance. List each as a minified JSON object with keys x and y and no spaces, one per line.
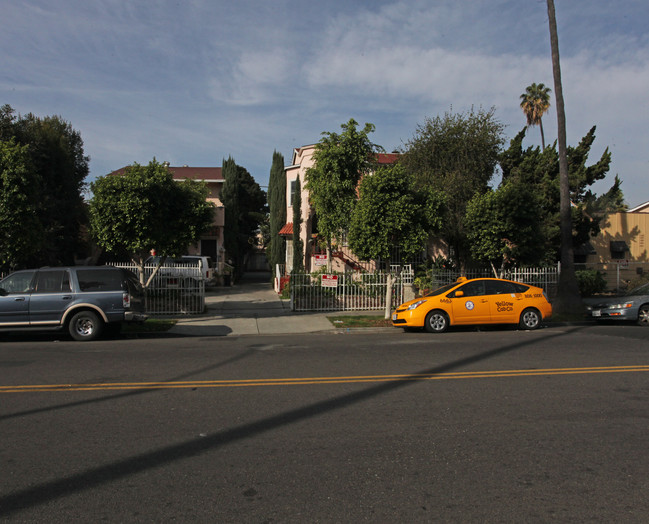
{"x":415,"y":305}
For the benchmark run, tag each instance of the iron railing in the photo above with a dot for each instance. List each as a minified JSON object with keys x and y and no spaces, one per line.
{"x":177,"y":289}
{"x":345,"y":291}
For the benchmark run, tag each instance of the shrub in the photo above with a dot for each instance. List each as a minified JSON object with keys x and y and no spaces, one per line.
{"x":590,"y":282}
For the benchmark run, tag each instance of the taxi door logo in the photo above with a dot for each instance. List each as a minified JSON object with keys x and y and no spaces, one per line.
{"x":469,"y":305}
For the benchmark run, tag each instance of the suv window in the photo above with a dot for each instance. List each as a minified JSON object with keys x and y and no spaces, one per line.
{"x":52,"y":281}
{"x":99,"y":280}
{"x":18,"y":282}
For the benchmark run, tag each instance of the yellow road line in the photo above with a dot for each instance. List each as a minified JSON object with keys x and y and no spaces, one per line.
{"x":319,"y":380}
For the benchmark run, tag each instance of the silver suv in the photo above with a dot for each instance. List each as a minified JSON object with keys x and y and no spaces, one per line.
{"x":87,"y":301}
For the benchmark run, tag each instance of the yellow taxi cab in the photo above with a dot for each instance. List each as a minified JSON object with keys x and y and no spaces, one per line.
{"x":475,"y":301}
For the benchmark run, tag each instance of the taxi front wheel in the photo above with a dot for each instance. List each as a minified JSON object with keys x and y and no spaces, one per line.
{"x":530,"y":319}
{"x":436,"y":322}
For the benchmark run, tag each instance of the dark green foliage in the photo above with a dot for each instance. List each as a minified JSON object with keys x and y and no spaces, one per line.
{"x":276,"y":250}
{"x":230,"y":200}
{"x":145,"y":209}
{"x":391,"y":212}
{"x":21,"y":232}
{"x":298,"y":244}
{"x":340,"y":162}
{"x":590,"y":282}
{"x":455,"y":154}
{"x":503,"y":226}
{"x":245,"y":210}
{"x":539,"y":169}
{"x":57,"y":170}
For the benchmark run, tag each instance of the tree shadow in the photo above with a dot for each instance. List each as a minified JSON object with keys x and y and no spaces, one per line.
{"x":93,"y":477}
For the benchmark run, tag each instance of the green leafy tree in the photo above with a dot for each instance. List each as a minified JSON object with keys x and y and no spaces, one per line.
{"x":298,"y":244}
{"x":455,"y":154}
{"x":145,"y":209}
{"x":277,"y":210}
{"x":503,"y":226}
{"x":230,"y":200}
{"x":535,"y":102}
{"x":390,"y":212}
{"x":21,"y":232}
{"x":58,"y":167}
{"x":340,"y":162}
{"x":539,"y":169}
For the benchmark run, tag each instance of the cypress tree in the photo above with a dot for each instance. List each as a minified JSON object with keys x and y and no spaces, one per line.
{"x":277,"y":204}
{"x":298,"y":246}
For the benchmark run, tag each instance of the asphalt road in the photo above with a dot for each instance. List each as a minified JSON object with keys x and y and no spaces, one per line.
{"x":492,"y":426}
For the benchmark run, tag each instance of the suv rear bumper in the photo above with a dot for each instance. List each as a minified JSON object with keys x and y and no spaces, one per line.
{"x":134,"y":316}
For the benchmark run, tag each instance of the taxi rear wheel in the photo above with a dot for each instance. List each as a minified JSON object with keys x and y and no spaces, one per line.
{"x":436,"y":322}
{"x":530,"y":319}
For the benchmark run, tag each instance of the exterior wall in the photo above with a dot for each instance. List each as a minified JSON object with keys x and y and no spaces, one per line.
{"x":345,"y":259}
{"x":205,"y":246}
{"x":302,"y":160}
{"x":628,"y":227}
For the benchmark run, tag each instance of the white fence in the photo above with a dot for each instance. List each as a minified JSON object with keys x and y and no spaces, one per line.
{"x":177,"y":289}
{"x":543,"y":277}
{"x":367,"y":291}
{"x":344,"y":292}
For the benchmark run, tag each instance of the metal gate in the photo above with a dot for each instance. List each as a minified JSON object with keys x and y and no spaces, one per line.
{"x":344,"y":292}
{"x":177,"y":289}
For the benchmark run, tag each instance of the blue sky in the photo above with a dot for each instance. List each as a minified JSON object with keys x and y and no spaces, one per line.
{"x":195,"y":81}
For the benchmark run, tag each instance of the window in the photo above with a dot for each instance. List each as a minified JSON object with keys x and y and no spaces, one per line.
{"x":496,"y":287}
{"x":18,"y":283}
{"x":99,"y":280}
{"x":293,"y":189}
{"x":52,"y":281}
{"x":473,"y":289}
{"x":618,"y":249}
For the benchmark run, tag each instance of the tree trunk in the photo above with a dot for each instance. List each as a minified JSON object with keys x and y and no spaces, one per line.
{"x":568,"y":299}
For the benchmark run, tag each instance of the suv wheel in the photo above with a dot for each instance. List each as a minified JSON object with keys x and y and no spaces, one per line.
{"x":85,"y":325}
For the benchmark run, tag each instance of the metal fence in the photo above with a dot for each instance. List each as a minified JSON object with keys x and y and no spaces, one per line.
{"x":367,"y":291}
{"x":344,"y":292}
{"x":177,"y":289}
{"x":619,"y":275}
{"x":543,"y":277}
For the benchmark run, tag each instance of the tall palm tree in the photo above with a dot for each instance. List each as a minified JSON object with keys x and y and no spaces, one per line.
{"x":535,"y":101}
{"x":568,"y":300}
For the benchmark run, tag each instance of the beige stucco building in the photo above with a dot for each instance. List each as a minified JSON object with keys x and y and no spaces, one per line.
{"x":343,"y":259}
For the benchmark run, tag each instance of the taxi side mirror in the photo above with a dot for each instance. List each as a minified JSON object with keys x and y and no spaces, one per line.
{"x":459,"y":294}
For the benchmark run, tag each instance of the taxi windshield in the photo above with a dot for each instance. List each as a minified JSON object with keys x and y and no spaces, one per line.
{"x":442,"y":289}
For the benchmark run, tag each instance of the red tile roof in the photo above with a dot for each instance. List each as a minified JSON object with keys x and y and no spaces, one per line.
{"x":387,"y":158}
{"x":196,"y":173}
{"x":286,"y":230}
{"x":212,"y":174}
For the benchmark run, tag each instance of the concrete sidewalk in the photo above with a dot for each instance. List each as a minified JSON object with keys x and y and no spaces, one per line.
{"x":250,"y":307}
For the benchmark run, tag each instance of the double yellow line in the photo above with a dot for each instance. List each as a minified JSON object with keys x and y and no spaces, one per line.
{"x":317,"y":380}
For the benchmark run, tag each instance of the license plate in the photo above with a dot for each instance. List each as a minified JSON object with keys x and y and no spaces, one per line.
{"x":394,"y":316}
{"x":597,"y":313}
